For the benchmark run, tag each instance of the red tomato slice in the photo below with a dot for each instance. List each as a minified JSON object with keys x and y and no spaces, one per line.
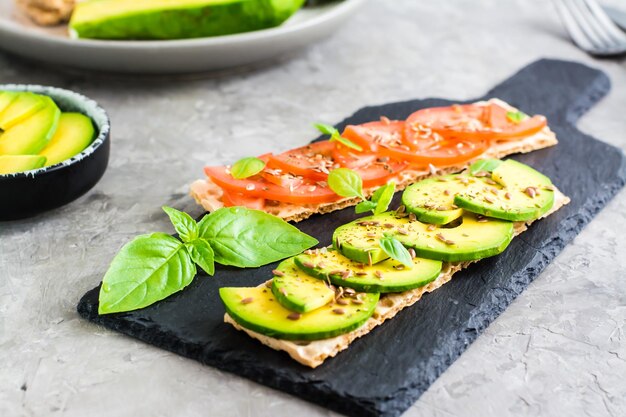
{"x":231,"y":199}
{"x":503,"y":128}
{"x":469,"y":122}
{"x":386,"y":139}
{"x":308,"y":193}
{"x":374,"y":169}
{"x":312,"y":161}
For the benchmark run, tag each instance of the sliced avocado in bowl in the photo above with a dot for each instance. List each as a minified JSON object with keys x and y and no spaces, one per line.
{"x":517,"y":193}
{"x":297,"y":291}
{"x":74,"y":133}
{"x":31,"y":135}
{"x":11,"y":164}
{"x":257,"y":309}
{"x":384,"y":277}
{"x":23,"y":106}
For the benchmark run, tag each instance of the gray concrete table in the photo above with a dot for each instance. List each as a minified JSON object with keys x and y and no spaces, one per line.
{"x":559,"y":349}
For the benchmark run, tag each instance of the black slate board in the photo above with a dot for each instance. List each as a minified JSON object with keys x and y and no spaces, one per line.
{"x":383,"y":373}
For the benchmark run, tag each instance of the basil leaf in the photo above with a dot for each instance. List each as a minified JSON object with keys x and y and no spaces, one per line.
{"x":487,"y":165}
{"x":365,"y":206}
{"x":147,"y":269}
{"x":392,"y":247}
{"x":346,"y":183}
{"x":250,"y":238}
{"x":185,"y":226}
{"x":383,"y":196}
{"x":516,"y":116}
{"x":202,"y":254}
{"x":246,"y":167}
{"x":336,"y":136}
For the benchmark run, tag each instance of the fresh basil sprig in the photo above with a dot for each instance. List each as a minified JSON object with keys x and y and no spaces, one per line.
{"x":152,"y":267}
{"x":346,"y":183}
{"x":380,"y":200}
{"x":396,"y":250}
{"x":246,"y":167}
{"x":516,"y":116}
{"x":485,"y":165}
{"x":335,"y":136}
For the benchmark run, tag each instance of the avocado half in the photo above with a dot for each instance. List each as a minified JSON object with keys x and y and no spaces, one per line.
{"x":176,"y":19}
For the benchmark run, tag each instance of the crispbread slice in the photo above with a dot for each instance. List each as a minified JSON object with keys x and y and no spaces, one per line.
{"x":208,"y":195}
{"x":314,"y":353}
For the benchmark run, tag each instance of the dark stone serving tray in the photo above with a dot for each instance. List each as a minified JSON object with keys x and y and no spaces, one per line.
{"x":383,"y":373}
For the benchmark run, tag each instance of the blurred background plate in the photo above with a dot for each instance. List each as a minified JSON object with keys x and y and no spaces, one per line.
{"x":20,"y":36}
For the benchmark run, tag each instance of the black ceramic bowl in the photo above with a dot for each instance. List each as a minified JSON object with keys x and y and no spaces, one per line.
{"x":28,"y":193}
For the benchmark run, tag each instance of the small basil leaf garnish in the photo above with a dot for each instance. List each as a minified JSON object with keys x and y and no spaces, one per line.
{"x":202,"y":254}
{"x":246,"y":167}
{"x":147,"y":269}
{"x":365,"y":206}
{"x":250,"y":238}
{"x":346,"y":183}
{"x":484,"y":165}
{"x":382,"y":197}
{"x":185,"y":226}
{"x":335,"y":136}
{"x":516,"y":116}
{"x":392,"y":247}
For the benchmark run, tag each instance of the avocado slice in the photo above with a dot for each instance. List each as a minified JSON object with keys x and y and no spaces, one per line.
{"x":11,"y":164}
{"x":298,"y":291}
{"x":257,"y":309}
{"x":384,"y":277}
{"x":473,"y":238}
{"x":22,"y":107}
{"x":32,"y":134}
{"x":517,"y":193}
{"x":432,"y":200}
{"x":6,"y":98}
{"x":74,"y":133}
{"x":176,"y":19}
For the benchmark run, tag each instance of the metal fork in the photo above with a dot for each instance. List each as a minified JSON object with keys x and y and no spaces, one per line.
{"x":590,"y":27}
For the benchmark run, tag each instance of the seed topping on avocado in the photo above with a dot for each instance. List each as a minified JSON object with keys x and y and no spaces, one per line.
{"x":431,"y":227}
{"x":444,"y":239}
{"x":507,"y":196}
{"x":339,"y":311}
{"x":294,"y":316}
{"x":247,"y":300}
{"x":278,"y":273}
{"x":531,"y":192}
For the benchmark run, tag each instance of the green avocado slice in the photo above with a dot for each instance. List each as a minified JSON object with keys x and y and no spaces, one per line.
{"x":298,"y":291}
{"x":517,"y":193}
{"x":432,"y":200}
{"x":257,"y":309}
{"x":384,"y":277}
{"x":31,"y":135}
{"x":168,"y":19}
{"x":473,"y":238}
{"x":6,"y":98}
{"x":11,"y":164}
{"x":73,"y":134}
{"x":22,"y":107}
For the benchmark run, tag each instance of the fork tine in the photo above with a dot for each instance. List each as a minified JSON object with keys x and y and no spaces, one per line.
{"x":586,"y":23}
{"x":610,"y":28}
{"x":575,"y":32}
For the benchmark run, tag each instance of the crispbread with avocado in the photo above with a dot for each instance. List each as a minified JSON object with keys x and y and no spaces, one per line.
{"x":314,"y":353}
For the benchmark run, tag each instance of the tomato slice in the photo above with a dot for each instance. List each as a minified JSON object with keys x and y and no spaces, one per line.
{"x":313,"y":161}
{"x":468,"y":122}
{"x":374,"y":169}
{"x":387,"y":139}
{"x":308,"y":192}
{"x":231,"y":199}
{"x":503,"y":128}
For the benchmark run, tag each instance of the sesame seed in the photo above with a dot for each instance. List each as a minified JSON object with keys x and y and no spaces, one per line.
{"x":250,"y":187}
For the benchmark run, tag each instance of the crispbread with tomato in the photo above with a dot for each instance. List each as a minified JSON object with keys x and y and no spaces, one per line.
{"x":430,"y":141}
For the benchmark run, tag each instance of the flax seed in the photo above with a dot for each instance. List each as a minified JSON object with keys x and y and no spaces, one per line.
{"x":338,"y":311}
{"x":278,"y":273}
{"x":247,"y":300}
{"x":294,"y":316}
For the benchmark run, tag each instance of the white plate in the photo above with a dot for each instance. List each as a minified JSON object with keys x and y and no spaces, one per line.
{"x":22,"y":37}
